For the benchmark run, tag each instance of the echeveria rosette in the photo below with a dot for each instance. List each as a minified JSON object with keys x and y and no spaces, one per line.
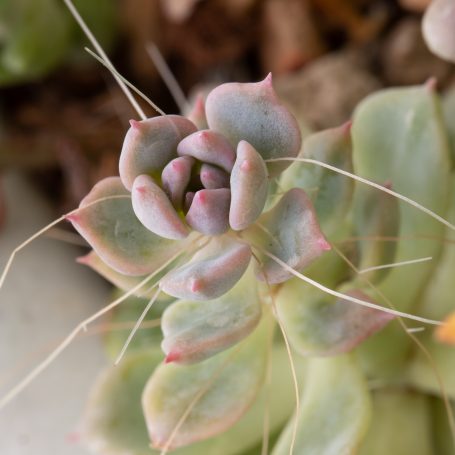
{"x":177,"y":184}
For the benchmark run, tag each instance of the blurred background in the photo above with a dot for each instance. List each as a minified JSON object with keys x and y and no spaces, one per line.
{"x":62,"y":122}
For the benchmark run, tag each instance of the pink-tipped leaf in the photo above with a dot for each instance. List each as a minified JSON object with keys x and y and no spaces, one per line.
{"x":212,"y":177}
{"x":213,"y":271}
{"x":249,"y":187}
{"x":253,"y":112}
{"x":175,"y":178}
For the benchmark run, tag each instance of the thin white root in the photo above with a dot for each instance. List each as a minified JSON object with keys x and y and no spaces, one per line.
{"x":101,"y":52}
{"x":167,"y":76}
{"x":395,"y":264}
{"x":369,"y":183}
{"x":116,"y":74}
{"x":137,"y":325}
{"x":345,"y":296}
{"x":415,"y":329}
{"x":16,"y":250}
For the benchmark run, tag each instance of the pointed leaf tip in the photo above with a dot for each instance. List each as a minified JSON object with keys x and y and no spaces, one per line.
{"x":253,"y":112}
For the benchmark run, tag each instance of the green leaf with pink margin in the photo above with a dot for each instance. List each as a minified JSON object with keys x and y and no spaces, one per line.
{"x":212,"y":271}
{"x":116,"y":235}
{"x":334,"y":410}
{"x":209,"y":211}
{"x":211,"y":395}
{"x":331,"y":193}
{"x":194,"y":331}
{"x":401,"y":424}
{"x":249,"y":187}
{"x":150,"y":144}
{"x":253,"y":112}
{"x":290,"y":231}
{"x":155,"y":211}
{"x":322,"y":325}
{"x":376,"y":218}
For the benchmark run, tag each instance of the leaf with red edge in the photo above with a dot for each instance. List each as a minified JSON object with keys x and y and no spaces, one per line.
{"x":321,"y":325}
{"x":117,"y":236}
{"x":211,"y":272}
{"x":194,"y":331}
{"x":212,"y":395}
{"x":253,"y":112}
{"x":289,"y":231}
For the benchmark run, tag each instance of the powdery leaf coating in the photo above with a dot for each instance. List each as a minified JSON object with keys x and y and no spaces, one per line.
{"x":229,"y":381}
{"x":209,"y":211}
{"x":249,"y":187}
{"x":150,"y":144}
{"x":320,"y":325}
{"x":175,"y":178}
{"x":212,"y":271}
{"x":155,"y":211}
{"x":197,"y":113}
{"x":291,"y":232}
{"x":194,"y":331}
{"x":115,"y":233}
{"x":335,"y":410}
{"x":438,"y":27}
{"x":209,"y":147}
{"x":253,"y":112}
{"x":212,"y":177}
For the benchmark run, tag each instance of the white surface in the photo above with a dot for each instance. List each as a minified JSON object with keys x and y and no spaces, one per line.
{"x":44,"y":297}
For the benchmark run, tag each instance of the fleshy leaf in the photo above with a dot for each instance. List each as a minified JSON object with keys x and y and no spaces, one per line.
{"x":155,"y":211}
{"x":212,"y":177}
{"x":209,"y":211}
{"x":249,"y":187}
{"x":291,"y":232}
{"x":334,"y":410}
{"x":400,"y":425}
{"x":376,"y":217}
{"x":150,"y":144}
{"x":115,"y":233}
{"x":449,"y":117}
{"x":398,"y":137}
{"x":321,"y":325}
{"x":330,"y":193}
{"x":175,"y":178}
{"x":194,"y":331}
{"x":209,"y":147}
{"x":115,"y":423}
{"x":112,"y":424}
{"x":438,"y":27}
{"x":253,"y":112}
{"x":211,"y":272}
{"x":220,"y":390}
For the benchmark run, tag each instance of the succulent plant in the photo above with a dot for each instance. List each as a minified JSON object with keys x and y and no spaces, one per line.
{"x":209,"y":210}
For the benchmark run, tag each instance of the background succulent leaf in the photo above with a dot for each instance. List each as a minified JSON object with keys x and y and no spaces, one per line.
{"x":398,"y":136}
{"x":376,"y":217}
{"x":321,"y":325}
{"x":194,"y":330}
{"x":334,"y":410}
{"x":150,"y":144}
{"x":442,"y":434}
{"x":449,"y":117}
{"x":225,"y":384}
{"x":290,"y":231}
{"x":212,"y":271}
{"x":116,"y":235}
{"x":401,"y":424}
{"x":253,"y":112}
